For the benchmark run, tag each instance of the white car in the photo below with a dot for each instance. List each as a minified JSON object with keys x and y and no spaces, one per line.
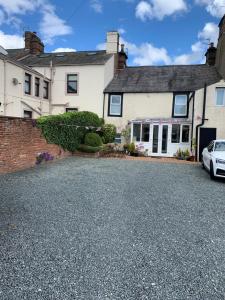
{"x":213,"y":158}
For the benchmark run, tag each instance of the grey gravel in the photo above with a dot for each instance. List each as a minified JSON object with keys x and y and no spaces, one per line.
{"x":112,"y":229}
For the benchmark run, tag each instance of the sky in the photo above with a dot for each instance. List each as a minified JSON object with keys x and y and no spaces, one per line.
{"x":155,"y":32}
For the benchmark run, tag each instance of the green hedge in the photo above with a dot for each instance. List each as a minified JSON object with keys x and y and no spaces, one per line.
{"x":108,"y":133}
{"x":92,"y":139}
{"x":64,"y":130}
{"x":89,"y":149}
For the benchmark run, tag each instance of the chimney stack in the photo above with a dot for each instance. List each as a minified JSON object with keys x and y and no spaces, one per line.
{"x":211,"y":55}
{"x":33,"y":43}
{"x":122,"y":58}
{"x":112,"y":44}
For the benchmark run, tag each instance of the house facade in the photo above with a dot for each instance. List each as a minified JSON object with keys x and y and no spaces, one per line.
{"x":166,"y":108}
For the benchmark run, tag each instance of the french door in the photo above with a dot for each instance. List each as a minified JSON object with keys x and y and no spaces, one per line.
{"x":159,"y":139}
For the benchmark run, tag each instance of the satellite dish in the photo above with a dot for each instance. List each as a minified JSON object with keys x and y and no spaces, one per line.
{"x":3,"y":51}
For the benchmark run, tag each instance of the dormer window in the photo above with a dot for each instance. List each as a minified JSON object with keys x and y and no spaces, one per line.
{"x":180,"y":106}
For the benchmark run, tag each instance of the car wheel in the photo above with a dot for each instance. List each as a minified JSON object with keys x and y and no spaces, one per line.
{"x":211,"y":171}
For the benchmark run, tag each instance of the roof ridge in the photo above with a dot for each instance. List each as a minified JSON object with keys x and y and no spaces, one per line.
{"x":164,"y":66}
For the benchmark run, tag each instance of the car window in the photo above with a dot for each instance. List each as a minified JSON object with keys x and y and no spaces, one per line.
{"x":210,"y":147}
{"x":220,"y":146}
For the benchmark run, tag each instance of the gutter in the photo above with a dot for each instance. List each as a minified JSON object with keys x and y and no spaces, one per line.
{"x":201,"y":124}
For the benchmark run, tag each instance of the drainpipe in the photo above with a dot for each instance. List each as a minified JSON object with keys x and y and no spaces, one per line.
{"x":51,"y":84}
{"x":4,"y":97}
{"x":103,"y":112}
{"x":201,"y":124}
{"x":193,"y":117}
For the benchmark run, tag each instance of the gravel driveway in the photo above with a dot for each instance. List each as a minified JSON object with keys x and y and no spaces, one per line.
{"x":112,"y":229}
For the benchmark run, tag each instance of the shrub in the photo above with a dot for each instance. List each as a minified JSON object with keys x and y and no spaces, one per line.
{"x":108,"y":133}
{"x":92,"y":139}
{"x":89,"y":149}
{"x":68,"y":130}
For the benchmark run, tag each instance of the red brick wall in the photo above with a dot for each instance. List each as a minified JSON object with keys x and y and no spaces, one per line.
{"x":20,"y":143}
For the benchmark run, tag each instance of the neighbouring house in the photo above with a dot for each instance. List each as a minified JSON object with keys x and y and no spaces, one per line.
{"x":167,"y":107}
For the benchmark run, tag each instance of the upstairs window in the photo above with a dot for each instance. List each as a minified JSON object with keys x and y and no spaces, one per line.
{"x":180,"y":106}
{"x":115,"y":105}
{"x":37,"y":86}
{"x":220,"y":96}
{"x":72,"y":80}
{"x":45,"y":89}
{"x":27,"y":84}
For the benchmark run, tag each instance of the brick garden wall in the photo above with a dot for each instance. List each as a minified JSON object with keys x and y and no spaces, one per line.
{"x":20,"y":143}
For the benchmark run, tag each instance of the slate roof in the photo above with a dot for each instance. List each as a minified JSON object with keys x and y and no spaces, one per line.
{"x":61,"y":58}
{"x":19,"y":64}
{"x":163,"y":79}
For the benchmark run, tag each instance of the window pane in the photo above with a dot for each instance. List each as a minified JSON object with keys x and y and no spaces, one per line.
{"x":145,"y":132}
{"x":72,"y":77}
{"x":115,"y":110}
{"x":164,"y":138}
{"x":175,"y":133}
{"x":220,"y":96}
{"x":115,"y":105}
{"x":137,"y":132}
{"x":180,"y":110}
{"x":185,"y":133}
{"x":72,"y":87}
{"x":180,"y":105}
{"x":181,"y":99}
{"x":115,"y":99}
{"x":155,"y":138}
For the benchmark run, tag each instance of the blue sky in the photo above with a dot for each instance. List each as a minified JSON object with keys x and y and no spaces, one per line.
{"x":155,"y":32}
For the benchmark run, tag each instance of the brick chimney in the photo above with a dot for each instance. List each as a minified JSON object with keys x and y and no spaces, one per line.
{"x":33,"y":43}
{"x":220,"y":55}
{"x":211,"y":55}
{"x":122,"y":58}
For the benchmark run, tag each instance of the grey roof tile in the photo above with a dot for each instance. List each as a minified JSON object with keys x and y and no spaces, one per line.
{"x":61,"y":58}
{"x":163,"y":79}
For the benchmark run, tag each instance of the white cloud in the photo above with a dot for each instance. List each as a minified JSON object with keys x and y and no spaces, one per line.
{"x":148,"y":54}
{"x":121,"y":31}
{"x":64,"y":50}
{"x":215,"y":7}
{"x":208,"y":34}
{"x":159,"y":9}
{"x":144,"y":54}
{"x":96,"y":5}
{"x":8,"y":41}
{"x":51,"y":25}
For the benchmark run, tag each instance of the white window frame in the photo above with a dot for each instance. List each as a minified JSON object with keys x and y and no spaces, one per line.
{"x":220,"y":88}
{"x":119,"y":105}
{"x":174,"y":107}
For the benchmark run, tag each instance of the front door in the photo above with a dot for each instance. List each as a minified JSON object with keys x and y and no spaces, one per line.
{"x":159,"y":139}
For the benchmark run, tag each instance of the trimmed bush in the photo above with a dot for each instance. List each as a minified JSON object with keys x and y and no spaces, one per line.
{"x":108,"y":133}
{"x":68,"y":130}
{"x":92,"y":139}
{"x":89,"y":149}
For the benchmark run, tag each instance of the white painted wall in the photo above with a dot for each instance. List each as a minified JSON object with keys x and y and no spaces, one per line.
{"x":214,"y":114}
{"x":14,"y":100}
{"x":92,"y":80}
